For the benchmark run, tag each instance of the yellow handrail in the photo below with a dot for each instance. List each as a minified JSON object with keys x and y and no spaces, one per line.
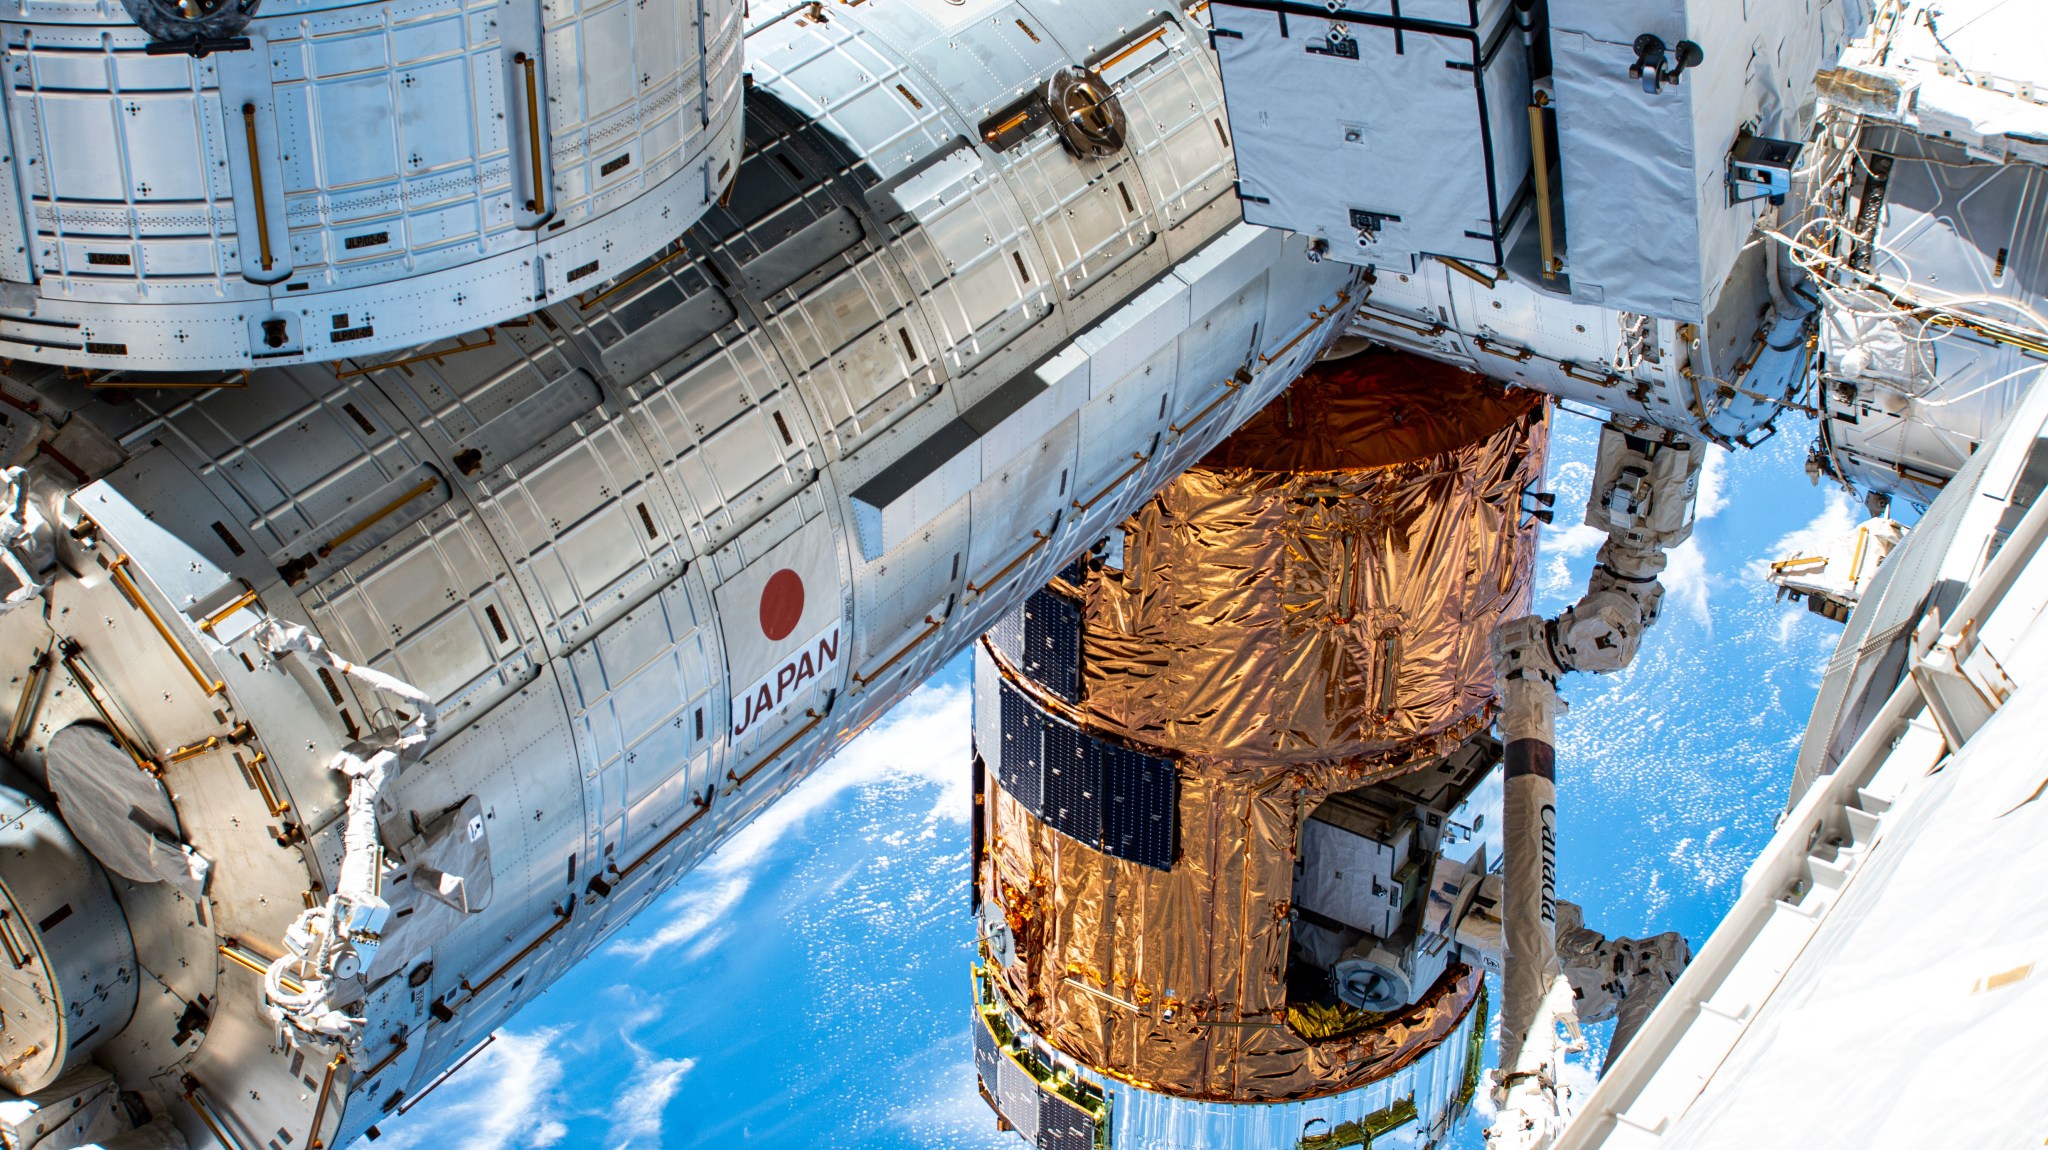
{"x":256,"y":178}
{"x":134,"y":593}
{"x":538,"y":205}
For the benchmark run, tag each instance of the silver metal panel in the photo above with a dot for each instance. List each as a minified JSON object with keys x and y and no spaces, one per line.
{"x":577,"y":514}
{"x":382,"y":513}
{"x":589,"y":531}
{"x":900,"y":594}
{"x":645,"y":701}
{"x":850,"y":330}
{"x":801,"y":253}
{"x":522,"y":427}
{"x":1023,"y":497}
{"x":728,"y":435}
{"x":121,"y":151}
{"x":383,"y":143}
{"x":674,"y":332}
{"x":1091,"y":215}
{"x":392,"y":141}
{"x":864,"y":347}
{"x":1115,"y":424}
{"x":624,"y":82}
{"x":15,"y":265}
{"x":978,"y":54}
{"x":982,"y":276}
{"x":964,"y":248}
{"x":435,"y":608}
{"x":935,"y":474}
{"x":297,"y":452}
{"x":1173,"y":104}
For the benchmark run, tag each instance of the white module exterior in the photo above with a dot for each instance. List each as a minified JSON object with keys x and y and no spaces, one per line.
{"x":567,"y":531}
{"x":1935,"y":323}
{"x":1911,"y":873}
{"x":390,"y":175}
{"x":1646,"y":199}
{"x":1388,"y":130}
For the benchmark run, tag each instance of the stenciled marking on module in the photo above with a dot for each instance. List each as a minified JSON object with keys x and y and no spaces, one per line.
{"x":782,"y":605}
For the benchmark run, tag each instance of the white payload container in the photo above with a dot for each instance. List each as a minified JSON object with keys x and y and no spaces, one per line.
{"x":1391,"y":130}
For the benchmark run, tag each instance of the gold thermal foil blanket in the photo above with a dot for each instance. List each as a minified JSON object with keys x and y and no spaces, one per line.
{"x":1307,"y":611}
{"x":1176,"y":980}
{"x":1272,"y":615}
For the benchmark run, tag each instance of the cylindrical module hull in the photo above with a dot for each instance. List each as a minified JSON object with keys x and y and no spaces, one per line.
{"x":343,"y":179}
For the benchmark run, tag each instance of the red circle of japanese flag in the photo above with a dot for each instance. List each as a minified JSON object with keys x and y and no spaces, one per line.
{"x":782,"y":604}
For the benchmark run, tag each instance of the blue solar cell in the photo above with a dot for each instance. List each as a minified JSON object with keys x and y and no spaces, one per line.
{"x":1140,"y":807}
{"x":1021,"y":770}
{"x":1052,"y":644}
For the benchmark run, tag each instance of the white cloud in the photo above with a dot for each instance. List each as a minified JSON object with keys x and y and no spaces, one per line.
{"x":636,"y":1113}
{"x":923,"y":739}
{"x":1839,"y":517}
{"x":1685,"y":579}
{"x":690,"y":913}
{"x":1713,"y":497}
{"x":505,"y":1097}
{"x":1561,"y":548}
{"x":1788,"y":624}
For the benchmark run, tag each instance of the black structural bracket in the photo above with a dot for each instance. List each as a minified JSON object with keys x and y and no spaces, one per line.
{"x":1657,"y":65}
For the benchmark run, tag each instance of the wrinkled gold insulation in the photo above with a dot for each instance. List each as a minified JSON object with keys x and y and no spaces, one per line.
{"x":1305,"y":612}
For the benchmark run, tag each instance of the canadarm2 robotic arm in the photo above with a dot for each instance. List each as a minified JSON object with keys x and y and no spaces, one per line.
{"x":1645,"y":488}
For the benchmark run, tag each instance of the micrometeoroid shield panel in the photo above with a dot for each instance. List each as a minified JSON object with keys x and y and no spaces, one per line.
{"x":1390,"y":137}
{"x":347,"y":179}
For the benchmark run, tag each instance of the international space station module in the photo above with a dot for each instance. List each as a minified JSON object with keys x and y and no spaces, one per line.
{"x":464,"y":460}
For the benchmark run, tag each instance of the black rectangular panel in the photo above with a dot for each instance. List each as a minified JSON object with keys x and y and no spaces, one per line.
{"x":1017,"y":1097}
{"x":1052,"y":644}
{"x":1073,"y":782}
{"x":985,"y":1056}
{"x":1063,"y":1125}
{"x":1021,"y":771}
{"x":1121,"y":802}
{"x":1140,"y":807}
{"x":1006,"y":635}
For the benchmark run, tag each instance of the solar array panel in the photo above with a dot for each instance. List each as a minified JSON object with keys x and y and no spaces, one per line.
{"x":1045,"y":1119}
{"x":1021,"y":767}
{"x":1063,"y":1125}
{"x":1006,"y":635}
{"x":1052,"y":644}
{"x":1139,"y":813}
{"x":1121,"y":802}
